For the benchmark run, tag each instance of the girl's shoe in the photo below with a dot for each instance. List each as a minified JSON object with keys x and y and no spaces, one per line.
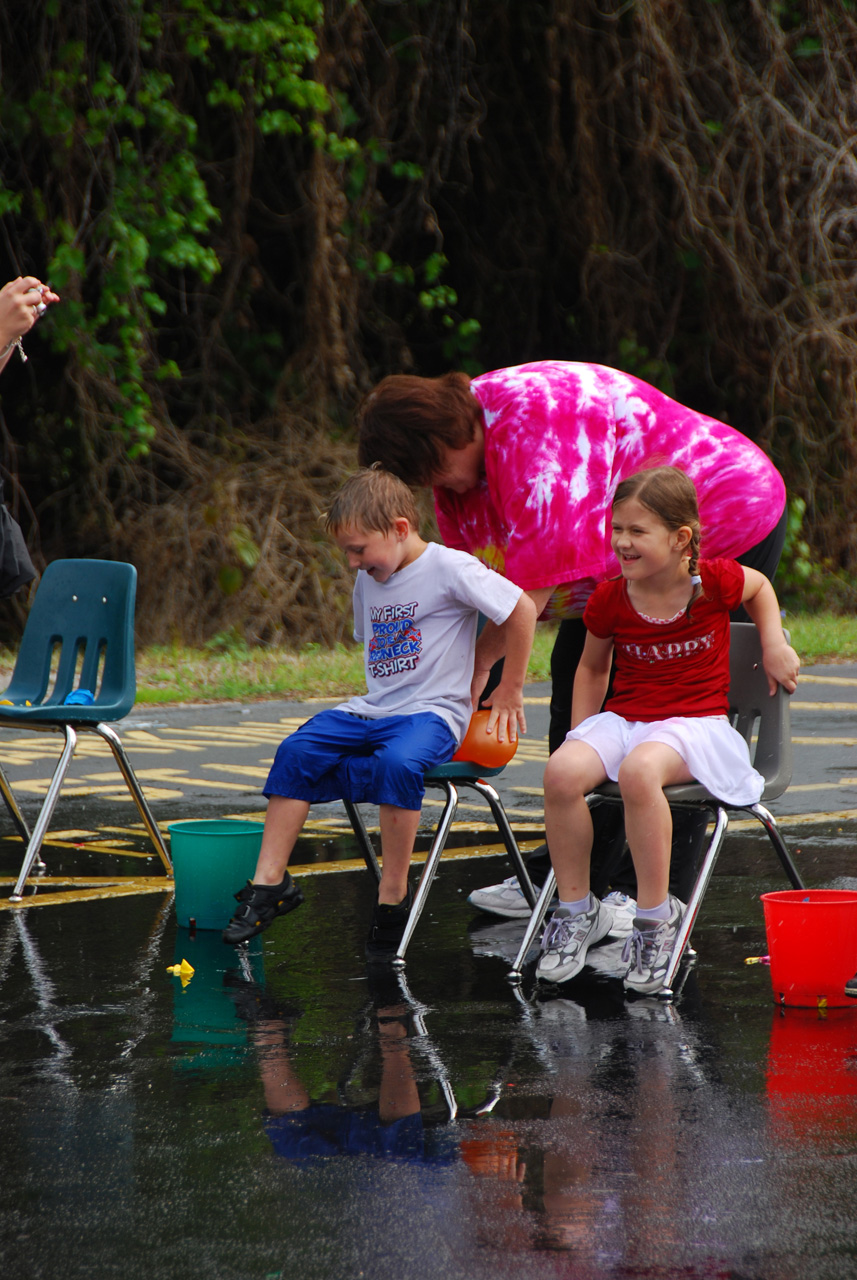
{"x":649,"y":950}
{"x":567,"y":939}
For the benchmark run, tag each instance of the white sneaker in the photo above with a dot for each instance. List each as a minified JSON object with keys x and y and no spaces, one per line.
{"x":608,"y":958}
{"x":506,"y":899}
{"x":622,"y":910}
{"x":650,"y":949}
{"x":567,"y":939}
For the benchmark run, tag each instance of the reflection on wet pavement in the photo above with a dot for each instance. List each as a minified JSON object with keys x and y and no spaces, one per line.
{"x":286,"y":1113}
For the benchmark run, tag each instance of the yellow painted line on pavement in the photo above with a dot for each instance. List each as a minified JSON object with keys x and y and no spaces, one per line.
{"x":824,"y":742}
{"x":243,"y":770}
{"x":176,"y":776}
{"x":824,"y":706}
{"x":116,"y":792}
{"x":450,"y":855}
{"x":117,"y":889}
{"x":797,"y":820}
{"x":843,"y":680}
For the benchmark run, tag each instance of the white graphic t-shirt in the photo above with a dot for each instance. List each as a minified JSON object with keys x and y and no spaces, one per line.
{"x":419,"y":634}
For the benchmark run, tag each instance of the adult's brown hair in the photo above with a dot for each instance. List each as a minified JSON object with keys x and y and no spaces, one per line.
{"x":406,"y":422}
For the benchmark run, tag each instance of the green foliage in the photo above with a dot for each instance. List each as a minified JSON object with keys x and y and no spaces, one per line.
{"x":138,"y":218}
{"x":635,"y":359}
{"x":803,"y":581}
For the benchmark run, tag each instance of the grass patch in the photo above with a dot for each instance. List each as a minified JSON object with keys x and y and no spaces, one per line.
{"x":169,"y":674}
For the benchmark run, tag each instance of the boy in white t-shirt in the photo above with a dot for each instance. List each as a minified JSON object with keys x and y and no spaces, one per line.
{"x":416,"y":607}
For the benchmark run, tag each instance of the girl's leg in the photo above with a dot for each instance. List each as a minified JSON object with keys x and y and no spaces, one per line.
{"x":572,"y":772}
{"x":648,"y":821}
{"x":398,"y":833}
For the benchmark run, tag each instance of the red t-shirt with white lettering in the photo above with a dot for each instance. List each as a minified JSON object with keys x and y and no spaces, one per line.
{"x":678,"y":668}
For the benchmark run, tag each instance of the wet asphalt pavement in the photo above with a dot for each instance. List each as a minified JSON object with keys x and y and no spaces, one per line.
{"x":289,"y":1113}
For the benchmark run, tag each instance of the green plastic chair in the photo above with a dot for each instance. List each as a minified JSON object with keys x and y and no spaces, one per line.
{"x":79,"y":637}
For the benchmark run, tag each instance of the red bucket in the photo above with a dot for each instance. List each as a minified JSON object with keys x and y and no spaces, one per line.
{"x":812,"y":942}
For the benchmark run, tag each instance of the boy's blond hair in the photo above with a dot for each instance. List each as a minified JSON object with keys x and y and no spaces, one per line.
{"x":372,"y":499}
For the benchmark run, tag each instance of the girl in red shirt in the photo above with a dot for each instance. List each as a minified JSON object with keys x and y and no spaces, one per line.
{"x":666,"y":619}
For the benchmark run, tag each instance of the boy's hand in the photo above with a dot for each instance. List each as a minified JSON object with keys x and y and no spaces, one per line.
{"x":507,"y":712}
{"x":781,"y":665}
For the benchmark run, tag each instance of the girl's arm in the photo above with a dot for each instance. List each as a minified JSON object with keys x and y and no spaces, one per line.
{"x":507,"y":700}
{"x":779,"y":659}
{"x":592,"y":678}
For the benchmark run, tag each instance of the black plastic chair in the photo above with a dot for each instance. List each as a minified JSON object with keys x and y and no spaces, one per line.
{"x":447,"y":778}
{"x":765,"y":724}
{"x":79,"y":639}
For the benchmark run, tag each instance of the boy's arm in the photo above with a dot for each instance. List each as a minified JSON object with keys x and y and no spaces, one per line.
{"x":591,"y":679}
{"x":779,"y":659}
{"x":507,"y":700}
{"x":491,"y":645}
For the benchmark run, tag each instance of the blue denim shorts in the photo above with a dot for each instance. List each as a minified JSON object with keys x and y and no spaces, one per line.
{"x":339,"y":756}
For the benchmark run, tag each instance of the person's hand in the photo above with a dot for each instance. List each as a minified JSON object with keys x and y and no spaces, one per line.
{"x":507,"y":716}
{"x":781,"y":665}
{"x":22,"y":302}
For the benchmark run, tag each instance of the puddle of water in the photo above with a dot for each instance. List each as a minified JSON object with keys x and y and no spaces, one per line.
{"x":287,"y":1114}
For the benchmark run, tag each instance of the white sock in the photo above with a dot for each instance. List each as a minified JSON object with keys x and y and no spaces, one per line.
{"x":578,"y":907}
{"x":662,"y":912}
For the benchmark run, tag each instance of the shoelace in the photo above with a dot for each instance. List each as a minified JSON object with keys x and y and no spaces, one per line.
{"x":560,"y":932}
{"x":642,"y":945}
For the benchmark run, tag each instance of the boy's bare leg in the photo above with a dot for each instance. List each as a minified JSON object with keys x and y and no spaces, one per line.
{"x":283,"y":824}
{"x":571,"y":773}
{"x":398,"y":833}
{"x":648,"y":821}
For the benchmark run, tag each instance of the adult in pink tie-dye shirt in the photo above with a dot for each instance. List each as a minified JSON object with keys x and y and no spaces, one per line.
{"x":524,"y":464}
{"x":524,"y":478}
{"x":558,"y":438}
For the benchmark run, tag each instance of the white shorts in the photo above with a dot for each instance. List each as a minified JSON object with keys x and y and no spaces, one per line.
{"x":716,"y":755}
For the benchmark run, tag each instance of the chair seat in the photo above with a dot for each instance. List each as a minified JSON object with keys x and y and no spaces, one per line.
{"x":463,"y":770}
{"x":57,"y":714}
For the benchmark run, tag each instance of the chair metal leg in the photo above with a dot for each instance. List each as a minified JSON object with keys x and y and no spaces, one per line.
{"x":12,"y":805}
{"x":367,"y":850}
{"x":689,"y":918}
{"x":111,"y":737}
{"x":491,"y":796}
{"x":769,"y":822}
{"x":46,"y":813}
{"x":430,"y":868}
{"x":515,"y":974}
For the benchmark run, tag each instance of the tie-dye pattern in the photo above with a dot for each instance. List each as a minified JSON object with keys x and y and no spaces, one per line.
{"x":558,"y":439}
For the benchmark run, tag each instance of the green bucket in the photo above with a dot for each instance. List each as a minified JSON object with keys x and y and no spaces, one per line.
{"x":212,"y":859}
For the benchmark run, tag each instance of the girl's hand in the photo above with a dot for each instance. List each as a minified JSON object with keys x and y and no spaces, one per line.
{"x":781,"y":665}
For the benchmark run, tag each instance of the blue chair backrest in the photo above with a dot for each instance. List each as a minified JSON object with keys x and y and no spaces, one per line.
{"x":81,"y":607}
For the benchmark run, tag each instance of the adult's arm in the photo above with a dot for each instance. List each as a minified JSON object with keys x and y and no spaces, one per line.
{"x":507,"y":700}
